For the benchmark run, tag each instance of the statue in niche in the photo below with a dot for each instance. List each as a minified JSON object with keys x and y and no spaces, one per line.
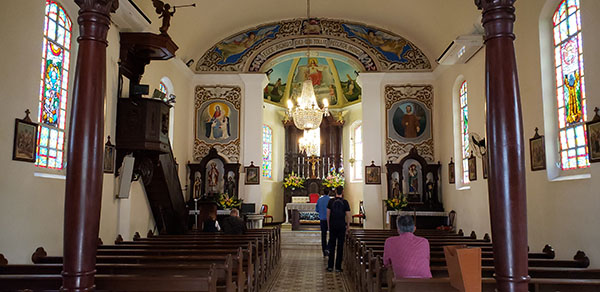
{"x":413,"y":179}
{"x":197,"y":186}
{"x":396,"y":188}
{"x":213,"y":177}
{"x":230,"y":185}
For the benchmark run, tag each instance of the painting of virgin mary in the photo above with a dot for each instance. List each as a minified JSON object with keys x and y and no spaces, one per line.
{"x":217,"y":121}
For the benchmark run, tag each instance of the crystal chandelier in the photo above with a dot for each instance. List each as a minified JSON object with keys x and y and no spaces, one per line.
{"x":307,"y":114}
{"x":310,"y":143}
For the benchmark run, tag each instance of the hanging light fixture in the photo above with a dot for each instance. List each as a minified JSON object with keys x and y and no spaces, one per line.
{"x":307,"y":114}
{"x":310,"y":143}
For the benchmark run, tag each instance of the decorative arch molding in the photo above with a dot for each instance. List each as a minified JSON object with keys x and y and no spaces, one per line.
{"x":376,"y":49}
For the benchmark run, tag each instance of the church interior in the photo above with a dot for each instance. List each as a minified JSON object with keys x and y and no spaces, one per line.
{"x":145,"y":119}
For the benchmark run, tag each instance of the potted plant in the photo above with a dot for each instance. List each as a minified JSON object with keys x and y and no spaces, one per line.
{"x":334,"y":179}
{"x":396,"y":203}
{"x":293,"y":182}
{"x":224,"y":201}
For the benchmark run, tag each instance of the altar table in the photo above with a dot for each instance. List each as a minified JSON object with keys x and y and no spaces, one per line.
{"x":301,"y":207}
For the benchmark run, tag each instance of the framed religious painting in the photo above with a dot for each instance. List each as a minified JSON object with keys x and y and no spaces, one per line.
{"x":451,"y":173}
{"x":472,"y":167}
{"x":537,"y":151}
{"x":593,"y":137}
{"x":24,"y":143}
{"x":373,"y":174}
{"x":252,"y":174}
{"x":109,"y":157}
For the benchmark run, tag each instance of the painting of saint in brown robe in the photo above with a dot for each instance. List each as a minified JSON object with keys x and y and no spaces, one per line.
{"x":409,"y":121}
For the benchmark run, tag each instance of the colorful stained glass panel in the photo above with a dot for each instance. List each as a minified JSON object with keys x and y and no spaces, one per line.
{"x":570,"y":85}
{"x":54,"y":77}
{"x":464,"y":126}
{"x":267,"y":167}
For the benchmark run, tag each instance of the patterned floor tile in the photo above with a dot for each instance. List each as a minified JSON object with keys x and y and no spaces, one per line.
{"x":303,"y":267}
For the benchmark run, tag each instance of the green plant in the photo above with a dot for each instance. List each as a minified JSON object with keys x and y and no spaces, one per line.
{"x":293,"y":181}
{"x":396,"y":203}
{"x":334,"y":179}
{"x":226,"y":202}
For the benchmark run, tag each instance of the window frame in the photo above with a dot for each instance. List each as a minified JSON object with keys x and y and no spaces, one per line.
{"x":270,"y":159}
{"x":63,"y":29}
{"x":464,"y":131}
{"x":564,"y":142}
{"x":357,"y":160}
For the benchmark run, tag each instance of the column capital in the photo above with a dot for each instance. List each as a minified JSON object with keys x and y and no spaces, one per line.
{"x":492,"y":4}
{"x":498,"y":18}
{"x":94,"y":19}
{"x":98,"y":6}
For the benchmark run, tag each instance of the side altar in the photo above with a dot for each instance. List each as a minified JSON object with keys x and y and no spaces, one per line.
{"x":419,"y":181}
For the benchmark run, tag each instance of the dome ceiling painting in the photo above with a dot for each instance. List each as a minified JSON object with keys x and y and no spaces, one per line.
{"x":333,"y":77}
{"x":373,"y":48}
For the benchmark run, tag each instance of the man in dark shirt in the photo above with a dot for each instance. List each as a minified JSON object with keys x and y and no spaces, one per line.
{"x":338,"y":217}
{"x":234,"y":224}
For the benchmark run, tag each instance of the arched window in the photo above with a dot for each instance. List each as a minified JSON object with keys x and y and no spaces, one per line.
{"x":570,"y":85}
{"x":356,"y":151}
{"x":267,"y":165}
{"x":464,"y":131}
{"x":163,"y":88}
{"x":54,"y":83}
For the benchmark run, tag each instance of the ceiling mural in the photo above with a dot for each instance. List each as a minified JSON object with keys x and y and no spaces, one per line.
{"x":375,"y":49}
{"x":333,"y":77}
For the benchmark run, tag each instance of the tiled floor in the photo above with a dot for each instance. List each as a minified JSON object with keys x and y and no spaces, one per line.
{"x":302,"y":267}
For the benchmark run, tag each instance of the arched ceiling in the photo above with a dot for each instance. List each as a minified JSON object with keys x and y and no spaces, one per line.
{"x":430,"y":24}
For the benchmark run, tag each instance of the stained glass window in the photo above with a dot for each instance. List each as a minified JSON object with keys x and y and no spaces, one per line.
{"x":570,"y":85}
{"x":163,"y":88}
{"x":267,"y":165}
{"x":464,"y":132}
{"x":52,"y":112}
{"x":357,"y":152}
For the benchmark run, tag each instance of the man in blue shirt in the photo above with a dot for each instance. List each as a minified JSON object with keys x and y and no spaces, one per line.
{"x":322,"y":210}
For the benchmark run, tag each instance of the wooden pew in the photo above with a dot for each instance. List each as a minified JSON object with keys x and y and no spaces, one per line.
{"x":223,"y":271}
{"x":53,"y":282}
{"x":242,"y":265}
{"x":366,"y":249}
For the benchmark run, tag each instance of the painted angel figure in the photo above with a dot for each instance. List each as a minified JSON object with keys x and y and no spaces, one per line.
{"x":163,"y":10}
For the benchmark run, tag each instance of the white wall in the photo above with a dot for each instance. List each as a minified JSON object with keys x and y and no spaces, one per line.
{"x":562,"y":213}
{"x":353,"y":190}
{"x":272,"y":189}
{"x":31,"y":207}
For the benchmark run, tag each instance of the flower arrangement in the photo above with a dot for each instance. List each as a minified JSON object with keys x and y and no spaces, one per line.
{"x":396,"y":203}
{"x":226,"y":202}
{"x":293,"y":181}
{"x":334,"y":179}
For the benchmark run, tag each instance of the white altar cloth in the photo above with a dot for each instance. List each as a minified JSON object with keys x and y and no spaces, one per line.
{"x":307,"y":207}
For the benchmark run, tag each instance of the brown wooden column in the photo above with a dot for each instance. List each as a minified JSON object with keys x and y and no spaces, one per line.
{"x":86,"y":146}
{"x":508,"y":209}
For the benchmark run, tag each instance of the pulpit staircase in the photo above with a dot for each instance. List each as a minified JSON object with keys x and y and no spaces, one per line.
{"x":163,"y":190}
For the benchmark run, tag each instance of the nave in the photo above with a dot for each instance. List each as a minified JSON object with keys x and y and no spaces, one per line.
{"x":302,"y":266}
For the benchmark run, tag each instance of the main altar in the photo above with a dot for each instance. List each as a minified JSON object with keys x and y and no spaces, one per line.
{"x":314,"y":168}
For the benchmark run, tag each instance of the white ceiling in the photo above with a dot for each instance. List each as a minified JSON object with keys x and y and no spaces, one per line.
{"x":429,"y":24}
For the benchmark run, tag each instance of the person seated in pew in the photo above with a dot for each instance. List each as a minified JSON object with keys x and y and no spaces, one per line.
{"x":234,"y":224}
{"x":407,"y":254}
{"x":211,"y":224}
